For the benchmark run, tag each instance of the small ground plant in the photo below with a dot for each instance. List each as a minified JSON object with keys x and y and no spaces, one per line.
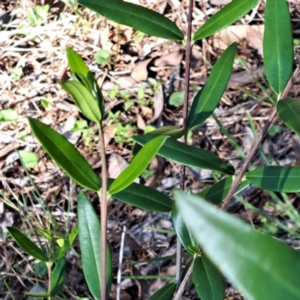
{"x":218,"y":243}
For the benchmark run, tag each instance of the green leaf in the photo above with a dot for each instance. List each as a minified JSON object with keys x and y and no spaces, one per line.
{"x":165,"y":293}
{"x":176,"y":99}
{"x":29,"y":159}
{"x":27,"y":245}
{"x":289,"y":112}
{"x":65,"y":155}
{"x":82,"y":73}
{"x":187,"y":241}
{"x":208,"y":98}
{"x":40,"y":269}
{"x":8,"y":115}
{"x":66,"y":245}
{"x":102,"y":57}
{"x":216,"y":193}
{"x":135,"y":16}
{"x":229,"y":14}
{"x":83,"y":99}
{"x":137,"y":166}
{"x":89,"y":239}
{"x":278,"y":44}
{"x":208,"y":280}
{"x":171,"y":131}
{"x":58,"y":276}
{"x":144,"y":197}
{"x":277,"y":179}
{"x":189,"y":155}
{"x":258,"y":265}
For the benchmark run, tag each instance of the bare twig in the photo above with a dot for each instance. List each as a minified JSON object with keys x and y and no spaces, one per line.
{"x":103,"y":206}
{"x":257,"y":143}
{"x":120,"y":263}
{"x":185,"y":117}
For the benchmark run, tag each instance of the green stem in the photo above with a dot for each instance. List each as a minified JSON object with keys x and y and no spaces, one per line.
{"x":49,"y":265}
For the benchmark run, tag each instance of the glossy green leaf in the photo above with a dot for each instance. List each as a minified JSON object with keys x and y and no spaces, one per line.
{"x":83,"y":99}
{"x":27,"y":245}
{"x":135,"y":16}
{"x":65,"y":155}
{"x":58,"y":276}
{"x":289,"y":112}
{"x":208,"y":280}
{"x":82,"y":73}
{"x":258,"y":265}
{"x":275,"y":178}
{"x":187,"y":241}
{"x":171,"y":131}
{"x":216,"y":193}
{"x":137,"y":166}
{"x":89,"y":239}
{"x":189,"y":155}
{"x":209,"y":96}
{"x":165,"y":293}
{"x":144,"y":197}
{"x":278,"y":44}
{"x":229,"y":14}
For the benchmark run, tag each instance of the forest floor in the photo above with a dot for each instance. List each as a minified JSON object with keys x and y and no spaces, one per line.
{"x":142,"y":81}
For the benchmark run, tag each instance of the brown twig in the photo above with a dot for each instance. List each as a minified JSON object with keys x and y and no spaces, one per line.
{"x":188,"y":48}
{"x":103,"y":217}
{"x":257,"y":143}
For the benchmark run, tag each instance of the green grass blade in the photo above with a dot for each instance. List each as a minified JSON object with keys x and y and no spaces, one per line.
{"x":289,"y":112}
{"x":27,"y":245}
{"x":65,"y":155}
{"x":89,"y":239}
{"x":138,"y":165}
{"x":258,"y":265}
{"x":277,"y":179}
{"x":58,"y":276}
{"x":209,"y":96}
{"x":224,"y":17}
{"x":135,"y":16}
{"x":278,"y":44}
{"x":208,"y":280}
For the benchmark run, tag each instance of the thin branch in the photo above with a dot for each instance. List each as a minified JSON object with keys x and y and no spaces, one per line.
{"x":257,"y":143}
{"x":103,"y":217}
{"x":120,"y":263}
{"x":188,"y":48}
{"x":184,"y":282}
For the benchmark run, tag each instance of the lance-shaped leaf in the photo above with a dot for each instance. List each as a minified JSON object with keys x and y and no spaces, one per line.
{"x":135,"y":16}
{"x":137,"y":166}
{"x":277,"y":179}
{"x":89,"y":239}
{"x":187,"y":240}
{"x":208,"y":280}
{"x":171,"y":131}
{"x":165,"y":293}
{"x":289,"y":112}
{"x":65,"y":155}
{"x":27,"y":245}
{"x":229,"y":14}
{"x":216,"y":193}
{"x":82,"y":73}
{"x":278,"y":44}
{"x":83,"y":99}
{"x":258,"y":265}
{"x":209,"y":96}
{"x":58,"y":276}
{"x":189,"y":155}
{"x":144,"y":197}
